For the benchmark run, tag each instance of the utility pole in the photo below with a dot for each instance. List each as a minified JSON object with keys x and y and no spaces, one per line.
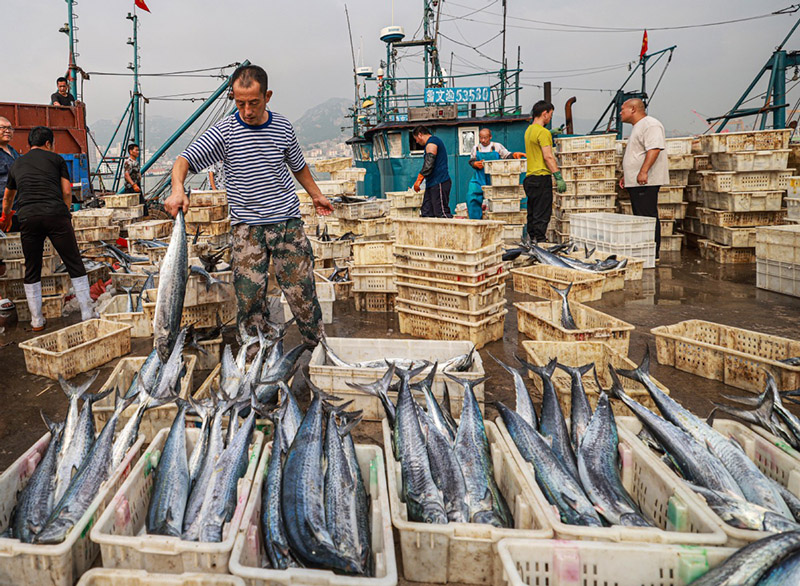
{"x":137,"y":93}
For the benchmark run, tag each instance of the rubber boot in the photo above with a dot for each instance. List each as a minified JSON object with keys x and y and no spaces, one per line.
{"x":81,"y":286}
{"x":33,"y":292}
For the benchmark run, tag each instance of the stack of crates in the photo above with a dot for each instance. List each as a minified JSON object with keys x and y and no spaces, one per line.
{"x":743,"y":190}
{"x":90,"y":227}
{"x":588,"y":165}
{"x":208,"y":211}
{"x":126,"y":209}
{"x":612,"y":233}
{"x":450,"y":279}
{"x":503,"y":198}
{"x":404,"y":204}
{"x":690,"y":226}
{"x":672,"y":197}
{"x":793,"y":201}
{"x":778,"y":259}
{"x":372,"y":273}
{"x":54,"y":285}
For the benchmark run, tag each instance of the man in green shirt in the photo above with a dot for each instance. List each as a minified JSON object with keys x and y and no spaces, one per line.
{"x":538,"y":183}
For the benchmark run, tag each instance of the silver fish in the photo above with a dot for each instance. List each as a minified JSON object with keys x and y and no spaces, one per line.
{"x":171,"y":290}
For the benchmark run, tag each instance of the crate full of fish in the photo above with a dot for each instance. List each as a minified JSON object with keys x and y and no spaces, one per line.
{"x":561,"y":321}
{"x":738,"y":357}
{"x":746,"y":504}
{"x":181,"y":507}
{"x":447,"y":531}
{"x":340,"y":277}
{"x":49,"y":515}
{"x":564,"y":562}
{"x":364,"y":557}
{"x":151,"y":410}
{"x":592,"y":478}
{"x":114,"y":577}
{"x":77,"y":348}
{"x":361,"y":361}
{"x":120,"y":308}
{"x":575,"y":358}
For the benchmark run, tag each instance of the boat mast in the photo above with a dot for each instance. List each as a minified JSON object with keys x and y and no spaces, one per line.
{"x":137,"y":90}
{"x":503,"y":65}
{"x":69,"y":28}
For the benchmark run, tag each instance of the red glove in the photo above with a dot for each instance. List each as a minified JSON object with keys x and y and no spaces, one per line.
{"x":97,"y":289}
{"x":478,"y":164}
{"x":419,"y":181}
{"x":517,"y":155}
{"x":136,"y":188}
{"x":5,"y":221}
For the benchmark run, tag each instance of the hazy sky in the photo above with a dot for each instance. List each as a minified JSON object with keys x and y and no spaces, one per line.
{"x":304,"y":46}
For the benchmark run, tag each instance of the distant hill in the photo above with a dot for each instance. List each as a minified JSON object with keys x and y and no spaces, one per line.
{"x":323,"y":123}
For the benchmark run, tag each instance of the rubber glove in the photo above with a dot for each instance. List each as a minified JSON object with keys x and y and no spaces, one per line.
{"x":5,"y":221}
{"x":478,"y":164}
{"x":561,"y":185}
{"x":420,"y":179}
{"x":517,"y":155}
{"x":137,"y":189}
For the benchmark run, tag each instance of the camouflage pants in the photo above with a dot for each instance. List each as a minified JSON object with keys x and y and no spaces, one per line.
{"x":291,"y":254}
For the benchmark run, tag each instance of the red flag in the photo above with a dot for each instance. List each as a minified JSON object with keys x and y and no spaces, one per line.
{"x":143,"y":6}
{"x":642,"y":53}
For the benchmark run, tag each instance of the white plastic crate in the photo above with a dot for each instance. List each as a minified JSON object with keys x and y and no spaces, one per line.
{"x":92,"y":218}
{"x":645,"y":251}
{"x":120,"y":530}
{"x":569,"y":563}
{"x":583,"y":158}
{"x":334,"y":379}
{"x":504,"y":167}
{"x":150,"y":229}
{"x":351,"y":174}
{"x":751,"y":140}
{"x":681,"y":162}
{"x":52,"y":307}
{"x":503,"y":205}
{"x":334,"y":164}
{"x":373,"y":278}
{"x":679,"y":146}
{"x":373,"y":252}
{"x":742,"y":201}
{"x":584,"y":202}
{"x":779,"y":243}
{"x":465,"y":552}
{"x":115,"y":577}
{"x":61,"y":564}
{"x":404,"y":213}
{"x":248,"y":550}
{"x":670,"y":194}
{"x":115,"y":310}
{"x":335,"y":249}
{"x":678,"y":177}
{"x":735,"y":237}
{"x":596,"y":142}
{"x":11,"y":247}
{"x":456,"y":235}
{"x":751,"y":160}
{"x":506,"y":180}
{"x":589,"y":172}
{"x":332,"y":188}
{"x":405,"y":199}
{"x":679,"y":516}
{"x":513,"y":232}
{"x":507,"y":192}
{"x":613,"y":228}
{"x":325,"y":295}
{"x":591,"y":187}
{"x":122,"y":200}
{"x":15,"y":267}
{"x":205,"y":214}
{"x":208,"y":198}
{"x":780,"y":277}
{"x":745,"y":181}
{"x":362,"y":210}
{"x":792,"y":208}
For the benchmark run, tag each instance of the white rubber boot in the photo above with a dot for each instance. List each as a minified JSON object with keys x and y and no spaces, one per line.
{"x":81,"y":286}
{"x":33,"y":292}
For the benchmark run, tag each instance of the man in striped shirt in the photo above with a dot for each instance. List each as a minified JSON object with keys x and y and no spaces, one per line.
{"x":255,"y":146}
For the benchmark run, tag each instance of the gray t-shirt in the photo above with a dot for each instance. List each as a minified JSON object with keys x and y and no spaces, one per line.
{"x":647,"y":134}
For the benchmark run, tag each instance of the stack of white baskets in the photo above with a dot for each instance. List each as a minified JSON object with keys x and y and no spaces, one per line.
{"x":503,"y":198}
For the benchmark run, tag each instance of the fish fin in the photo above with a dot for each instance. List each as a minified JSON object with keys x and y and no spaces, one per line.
{"x":711,"y":417}
{"x":320,"y":393}
{"x":355,"y":419}
{"x":465,"y":382}
{"x":585,"y":368}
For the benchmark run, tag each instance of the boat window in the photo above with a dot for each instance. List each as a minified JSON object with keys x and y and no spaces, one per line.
{"x":379,"y":146}
{"x":395,"y":145}
{"x":467,"y":139}
{"x":361,"y":152}
{"x":413,"y":147}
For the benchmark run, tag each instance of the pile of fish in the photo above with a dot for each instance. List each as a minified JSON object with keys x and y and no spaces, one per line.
{"x":324,"y":236}
{"x":553,"y":257}
{"x":772,"y":561}
{"x":314,"y":508}
{"x":447,"y":469}
{"x":713,"y":465}
{"x":73,"y":468}
{"x":577,"y":467}
{"x":767,"y":410}
{"x":339,"y":274}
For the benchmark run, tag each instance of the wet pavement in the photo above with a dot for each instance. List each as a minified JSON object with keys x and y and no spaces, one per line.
{"x":680,"y":288}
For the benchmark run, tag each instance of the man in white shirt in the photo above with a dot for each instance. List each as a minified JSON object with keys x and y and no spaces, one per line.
{"x":485,"y":150}
{"x":645,"y":167}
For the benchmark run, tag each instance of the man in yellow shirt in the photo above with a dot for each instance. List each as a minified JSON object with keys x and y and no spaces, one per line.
{"x":538,"y":183}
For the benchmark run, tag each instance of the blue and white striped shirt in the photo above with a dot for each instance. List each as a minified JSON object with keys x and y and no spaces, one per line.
{"x":255,"y":159}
